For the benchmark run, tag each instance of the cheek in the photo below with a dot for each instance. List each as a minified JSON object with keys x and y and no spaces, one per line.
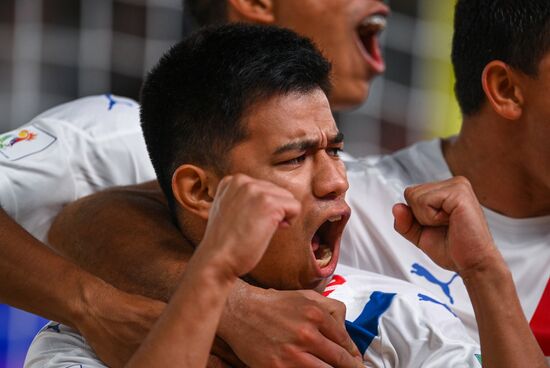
{"x":297,"y":182}
{"x":282,"y":259}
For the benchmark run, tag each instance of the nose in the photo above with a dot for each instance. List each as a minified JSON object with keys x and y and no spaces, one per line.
{"x":330,"y":180}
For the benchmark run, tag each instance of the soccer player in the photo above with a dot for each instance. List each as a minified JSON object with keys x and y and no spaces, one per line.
{"x":238,"y":127}
{"x":501,"y":59}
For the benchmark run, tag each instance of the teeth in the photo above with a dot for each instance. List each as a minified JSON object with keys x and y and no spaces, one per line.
{"x":374,"y":23}
{"x":325,"y":257}
{"x":335,"y":218}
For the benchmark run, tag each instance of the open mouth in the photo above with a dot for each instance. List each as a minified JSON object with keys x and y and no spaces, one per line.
{"x":368,"y":30}
{"x":325,"y":241}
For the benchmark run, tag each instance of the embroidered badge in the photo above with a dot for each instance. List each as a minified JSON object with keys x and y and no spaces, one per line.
{"x":23,"y":142}
{"x":8,"y":140}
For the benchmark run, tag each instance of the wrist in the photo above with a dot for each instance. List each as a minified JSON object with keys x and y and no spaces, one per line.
{"x":211,"y":265}
{"x":488,"y":282}
{"x":90,"y":290}
{"x":240,"y":303}
{"x":490,"y":269}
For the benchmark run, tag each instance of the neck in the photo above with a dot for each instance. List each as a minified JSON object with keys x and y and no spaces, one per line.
{"x":495,"y":156}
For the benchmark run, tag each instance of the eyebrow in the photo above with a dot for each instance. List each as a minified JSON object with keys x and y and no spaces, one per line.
{"x":307,"y":144}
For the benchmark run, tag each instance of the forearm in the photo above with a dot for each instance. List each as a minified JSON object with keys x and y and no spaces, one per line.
{"x":37,"y":280}
{"x":506,"y":340}
{"x":185,"y":332}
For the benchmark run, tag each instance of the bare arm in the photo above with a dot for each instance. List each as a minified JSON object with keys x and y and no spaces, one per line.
{"x":132,"y":226}
{"x":37,"y":280}
{"x":445,"y":220}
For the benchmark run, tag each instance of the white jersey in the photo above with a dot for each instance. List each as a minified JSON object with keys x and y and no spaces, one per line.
{"x":68,"y":152}
{"x":393,"y":323}
{"x":371,"y":243}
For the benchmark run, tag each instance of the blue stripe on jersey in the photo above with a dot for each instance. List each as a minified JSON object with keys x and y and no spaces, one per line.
{"x":365,"y":328}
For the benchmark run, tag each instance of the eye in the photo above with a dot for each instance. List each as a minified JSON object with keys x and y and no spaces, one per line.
{"x":294,"y":161}
{"x":334,"y":151}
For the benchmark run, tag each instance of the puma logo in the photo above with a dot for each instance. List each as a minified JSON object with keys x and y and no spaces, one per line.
{"x":423,"y":272}
{"x":113,"y":102}
{"x":426,"y":298}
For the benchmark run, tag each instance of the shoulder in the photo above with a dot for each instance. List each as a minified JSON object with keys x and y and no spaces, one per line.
{"x":418,"y":163}
{"x":59,"y":346}
{"x":59,"y":128}
{"x":100,"y":115}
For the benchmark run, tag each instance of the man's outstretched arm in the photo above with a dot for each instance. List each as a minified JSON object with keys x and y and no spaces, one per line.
{"x":444,"y":219}
{"x":132,"y":227}
{"x":37,"y":280}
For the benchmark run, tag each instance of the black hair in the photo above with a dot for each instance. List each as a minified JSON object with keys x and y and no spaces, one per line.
{"x":206,"y":12}
{"x":516,"y":32}
{"x":194,"y":99}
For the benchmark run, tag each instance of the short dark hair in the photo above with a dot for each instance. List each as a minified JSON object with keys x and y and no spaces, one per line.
{"x":206,"y":12}
{"x":194,"y":99}
{"x":512,"y":31}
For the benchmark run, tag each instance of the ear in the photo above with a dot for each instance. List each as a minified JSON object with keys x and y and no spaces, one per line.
{"x":501,"y":84}
{"x":194,"y":189}
{"x":255,"y":11}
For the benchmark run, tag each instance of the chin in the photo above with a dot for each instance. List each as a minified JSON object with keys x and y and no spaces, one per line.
{"x":353,"y":97}
{"x":322,"y":285}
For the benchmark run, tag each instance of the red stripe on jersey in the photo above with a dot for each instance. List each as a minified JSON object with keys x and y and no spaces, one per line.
{"x":540,"y":323}
{"x":336,"y":280}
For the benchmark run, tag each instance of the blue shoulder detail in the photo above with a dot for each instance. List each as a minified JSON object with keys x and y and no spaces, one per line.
{"x":113,"y":102}
{"x":365,"y":328}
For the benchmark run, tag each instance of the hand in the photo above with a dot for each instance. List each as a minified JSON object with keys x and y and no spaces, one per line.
{"x":270,"y":328}
{"x":444,"y":219}
{"x":245,"y":214}
{"x":115,"y":323}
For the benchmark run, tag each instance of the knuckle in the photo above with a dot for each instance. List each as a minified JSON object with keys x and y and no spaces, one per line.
{"x":341,"y":358}
{"x":314,"y":314}
{"x":226,"y":180}
{"x":288,"y":350}
{"x":422,"y":199}
{"x":249,"y":187}
{"x":240,"y":179}
{"x":409,"y":193}
{"x":310,"y":294}
{"x":306,"y":335}
{"x":462,"y":181}
{"x":340,"y":307}
{"x":274,"y":361}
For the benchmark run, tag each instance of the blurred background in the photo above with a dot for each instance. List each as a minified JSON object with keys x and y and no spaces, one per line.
{"x":53,"y":51}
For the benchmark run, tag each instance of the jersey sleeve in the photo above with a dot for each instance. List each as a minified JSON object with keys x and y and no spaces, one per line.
{"x":68,"y":152}
{"x":59,"y":346}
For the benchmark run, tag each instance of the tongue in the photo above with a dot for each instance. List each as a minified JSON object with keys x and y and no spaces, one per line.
{"x":315,"y":242}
